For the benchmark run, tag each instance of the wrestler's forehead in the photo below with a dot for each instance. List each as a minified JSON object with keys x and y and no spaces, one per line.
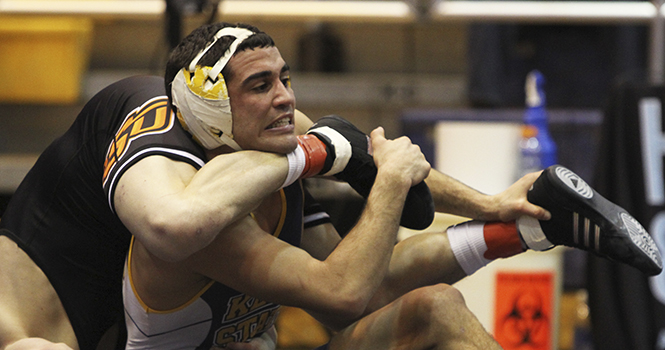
{"x":252,"y":61}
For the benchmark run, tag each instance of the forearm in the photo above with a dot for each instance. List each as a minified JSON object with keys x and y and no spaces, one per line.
{"x":185,"y":209}
{"x":231,"y":186}
{"x":237,"y":182}
{"x":453,"y":197}
{"x":364,"y":254}
{"x":337,"y":288}
{"x":362,"y":258}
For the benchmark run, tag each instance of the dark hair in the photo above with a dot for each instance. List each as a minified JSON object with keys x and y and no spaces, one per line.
{"x":190,"y":46}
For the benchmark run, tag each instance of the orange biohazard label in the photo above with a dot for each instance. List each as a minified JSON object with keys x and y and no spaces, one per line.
{"x":524,"y":310}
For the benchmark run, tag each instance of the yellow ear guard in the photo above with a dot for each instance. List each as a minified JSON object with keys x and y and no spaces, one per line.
{"x":202,"y":98}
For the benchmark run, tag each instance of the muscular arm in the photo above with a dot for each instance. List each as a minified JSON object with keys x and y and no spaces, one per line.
{"x":268,"y":268}
{"x":340,"y":285}
{"x":426,"y":259}
{"x":176,"y":210}
{"x":453,"y":197}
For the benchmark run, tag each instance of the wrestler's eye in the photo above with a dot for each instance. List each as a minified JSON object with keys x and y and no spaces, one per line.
{"x":286,"y":81}
{"x":261,"y":87}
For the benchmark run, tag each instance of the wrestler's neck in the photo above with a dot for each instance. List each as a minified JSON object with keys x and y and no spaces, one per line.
{"x":212,"y":153}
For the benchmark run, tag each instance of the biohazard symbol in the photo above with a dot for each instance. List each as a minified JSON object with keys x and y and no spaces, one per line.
{"x":526,"y":325}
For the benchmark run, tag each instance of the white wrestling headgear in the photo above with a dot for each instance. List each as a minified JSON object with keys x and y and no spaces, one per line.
{"x":202,"y":98}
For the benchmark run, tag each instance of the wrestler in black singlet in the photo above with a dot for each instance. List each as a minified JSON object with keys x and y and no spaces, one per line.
{"x":60,"y":214}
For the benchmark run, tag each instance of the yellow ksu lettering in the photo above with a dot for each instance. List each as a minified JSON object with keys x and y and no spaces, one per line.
{"x":247,"y":329}
{"x":241,"y":305}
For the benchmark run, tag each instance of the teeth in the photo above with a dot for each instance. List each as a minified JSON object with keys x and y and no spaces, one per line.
{"x":280,"y":123}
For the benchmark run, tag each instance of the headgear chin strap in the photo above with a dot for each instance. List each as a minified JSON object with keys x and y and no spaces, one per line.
{"x":202,"y":98}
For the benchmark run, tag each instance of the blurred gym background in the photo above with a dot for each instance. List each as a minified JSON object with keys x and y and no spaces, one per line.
{"x":415,"y":67}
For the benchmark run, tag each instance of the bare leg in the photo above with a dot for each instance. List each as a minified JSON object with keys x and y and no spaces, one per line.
{"x":29,"y":306}
{"x":434,"y":317}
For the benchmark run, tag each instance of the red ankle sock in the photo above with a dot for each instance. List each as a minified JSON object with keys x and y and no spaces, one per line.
{"x":502,"y":239}
{"x":475,"y":243}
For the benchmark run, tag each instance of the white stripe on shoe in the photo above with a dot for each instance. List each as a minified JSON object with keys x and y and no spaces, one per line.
{"x":576,"y":225}
{"x":587,"y":225}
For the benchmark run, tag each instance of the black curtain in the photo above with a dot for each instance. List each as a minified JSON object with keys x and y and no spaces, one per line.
{"x":624,"y":312}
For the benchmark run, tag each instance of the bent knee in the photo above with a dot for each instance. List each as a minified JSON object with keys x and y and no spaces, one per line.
{"x":422,"y":305}
{"x":437,"y":296}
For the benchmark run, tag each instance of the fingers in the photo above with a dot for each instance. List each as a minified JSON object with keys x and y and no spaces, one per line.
{"x":400,"y":157}
{"x":378,"y":137}
{"x":533,"y":210}
{"x":527,"y":180}
{"x":512,"y":203}
{"x":537,"y":212}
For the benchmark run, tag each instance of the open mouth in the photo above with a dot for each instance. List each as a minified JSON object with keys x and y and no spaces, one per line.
{"x":280,"y":123}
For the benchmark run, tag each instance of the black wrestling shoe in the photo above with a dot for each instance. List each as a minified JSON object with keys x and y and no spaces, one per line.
{"x":581,"y":218}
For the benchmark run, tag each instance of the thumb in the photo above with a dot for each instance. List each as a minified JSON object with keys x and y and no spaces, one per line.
{"x":378,"y":136}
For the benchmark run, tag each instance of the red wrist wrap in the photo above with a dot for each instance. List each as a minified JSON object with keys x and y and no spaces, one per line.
{"x":315,"y":154}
